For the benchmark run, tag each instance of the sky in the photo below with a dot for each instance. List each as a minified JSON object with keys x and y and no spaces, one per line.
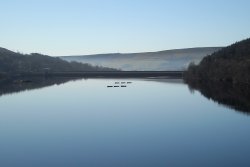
{"x":82,"y":27}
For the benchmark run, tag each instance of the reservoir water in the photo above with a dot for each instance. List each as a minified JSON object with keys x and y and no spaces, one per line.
{"x":146,"y":123}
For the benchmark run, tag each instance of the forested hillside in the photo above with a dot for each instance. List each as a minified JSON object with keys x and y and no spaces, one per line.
{"x":12,"y":62}
{"x":230,"y":64}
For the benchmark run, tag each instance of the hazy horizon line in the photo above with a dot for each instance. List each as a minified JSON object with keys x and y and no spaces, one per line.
{"x":106,"y":53}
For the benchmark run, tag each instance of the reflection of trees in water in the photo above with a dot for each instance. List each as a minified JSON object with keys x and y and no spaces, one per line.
{"x":19,"y":84}
{"x":15,"y":85}
{"x":234,"y":96}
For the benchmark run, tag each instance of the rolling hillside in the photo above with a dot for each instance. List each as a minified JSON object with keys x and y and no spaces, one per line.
{"x":178,"y":59}
{"x":12,"y":62}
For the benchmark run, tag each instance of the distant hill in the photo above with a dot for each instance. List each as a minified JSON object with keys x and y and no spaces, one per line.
{"x":231,"y":64}
{"x":178,"y":59}
{"x":12,"y":62}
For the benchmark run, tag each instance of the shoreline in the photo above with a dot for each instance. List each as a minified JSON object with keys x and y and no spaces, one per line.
{"x":101,"y":74}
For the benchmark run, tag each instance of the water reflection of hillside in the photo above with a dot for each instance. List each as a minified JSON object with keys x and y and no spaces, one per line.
{"x":166,"y":80}
{"x":233,"y":96}
{"x":15,"y":85}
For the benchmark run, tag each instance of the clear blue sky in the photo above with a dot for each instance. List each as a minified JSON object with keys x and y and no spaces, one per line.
{"x":72,"y":27}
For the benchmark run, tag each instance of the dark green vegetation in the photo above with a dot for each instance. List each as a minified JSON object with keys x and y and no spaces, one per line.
{"x":230,"y":64}
{"x":13,"y":63}
{"x":224,"y":76}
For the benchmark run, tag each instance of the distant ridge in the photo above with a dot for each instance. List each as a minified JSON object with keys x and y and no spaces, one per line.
{"x":167,"y":60}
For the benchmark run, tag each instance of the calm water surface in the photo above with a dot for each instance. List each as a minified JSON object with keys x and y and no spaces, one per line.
{"x":150,"y":123}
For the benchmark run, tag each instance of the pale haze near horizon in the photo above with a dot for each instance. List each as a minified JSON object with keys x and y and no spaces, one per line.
{"x":83,"y":27}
